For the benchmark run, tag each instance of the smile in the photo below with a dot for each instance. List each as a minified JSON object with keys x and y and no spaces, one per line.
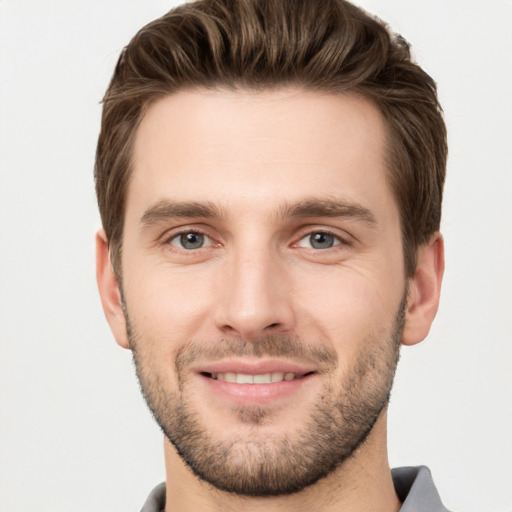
{"x":250,"y":383}
{"x":263,"y":378}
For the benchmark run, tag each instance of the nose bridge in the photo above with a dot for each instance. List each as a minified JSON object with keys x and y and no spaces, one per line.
{"x":255,"y":301}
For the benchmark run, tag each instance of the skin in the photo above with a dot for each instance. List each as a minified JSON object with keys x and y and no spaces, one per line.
{"x":253,"y":157}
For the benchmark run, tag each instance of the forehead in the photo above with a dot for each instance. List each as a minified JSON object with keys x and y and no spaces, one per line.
{"x":243,"y":148}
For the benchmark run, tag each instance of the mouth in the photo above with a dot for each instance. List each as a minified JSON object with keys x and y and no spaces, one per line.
{"x":249,"y":382}
{"x":260,"y":378}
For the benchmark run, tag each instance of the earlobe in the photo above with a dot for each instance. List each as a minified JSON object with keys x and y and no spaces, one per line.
{"x":109,"y":291}
{"x":424,"y":291}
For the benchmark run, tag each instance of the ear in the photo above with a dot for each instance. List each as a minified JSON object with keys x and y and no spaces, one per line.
{"x":424,"y":291}
{"x":109,"y":291}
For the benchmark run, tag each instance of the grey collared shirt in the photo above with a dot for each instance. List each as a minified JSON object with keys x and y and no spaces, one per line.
{"x":416,"y":490}
{"x":413,"y":485}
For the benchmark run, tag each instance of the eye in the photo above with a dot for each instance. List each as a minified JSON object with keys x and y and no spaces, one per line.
{"x":190,"y":241}
{"x":319,"y":240}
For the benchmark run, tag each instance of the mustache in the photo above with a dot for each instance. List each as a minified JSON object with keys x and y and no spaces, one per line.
{"x":281,"y":346}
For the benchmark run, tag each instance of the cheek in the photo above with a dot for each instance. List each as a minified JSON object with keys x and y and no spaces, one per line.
{"x":167,"y":304}
{"x":347,"y":307}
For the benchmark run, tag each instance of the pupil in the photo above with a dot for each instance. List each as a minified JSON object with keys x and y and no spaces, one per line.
{"x":192,"y":240}
{"x":321,"y":241}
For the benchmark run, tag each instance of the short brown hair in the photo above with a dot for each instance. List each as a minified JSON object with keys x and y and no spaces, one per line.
{"x":329,"y":46}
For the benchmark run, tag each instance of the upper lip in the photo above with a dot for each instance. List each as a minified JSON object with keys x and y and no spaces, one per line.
{"x":258,"y":367}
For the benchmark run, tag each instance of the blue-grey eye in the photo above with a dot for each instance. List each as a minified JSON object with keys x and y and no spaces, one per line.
{"x":189,"y":241}
{"x":319,"y":240}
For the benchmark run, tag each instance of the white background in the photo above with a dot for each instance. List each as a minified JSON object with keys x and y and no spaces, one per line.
{"x":74,"y":432}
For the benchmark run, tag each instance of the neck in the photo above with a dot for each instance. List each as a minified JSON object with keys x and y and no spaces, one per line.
{"x":361,"y":484}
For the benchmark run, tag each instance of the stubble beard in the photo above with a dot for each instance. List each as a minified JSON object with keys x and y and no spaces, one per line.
{"x":257,"y":465}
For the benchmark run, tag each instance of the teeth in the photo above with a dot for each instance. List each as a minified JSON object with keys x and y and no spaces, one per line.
{"x":262,"y":379}
{"x":229,"y":377}
{"x":243,"y":378}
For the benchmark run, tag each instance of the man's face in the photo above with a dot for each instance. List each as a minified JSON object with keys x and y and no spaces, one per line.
{"x":263,"y":281}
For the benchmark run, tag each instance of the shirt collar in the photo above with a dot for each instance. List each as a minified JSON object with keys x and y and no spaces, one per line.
{"x":416,"y":490}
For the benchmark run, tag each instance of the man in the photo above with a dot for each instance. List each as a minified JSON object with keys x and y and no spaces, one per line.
{"x":269,"y":175}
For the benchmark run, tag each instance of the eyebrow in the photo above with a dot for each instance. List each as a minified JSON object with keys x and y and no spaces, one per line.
{"x":165,"y":210}
{"x":329,"y":208}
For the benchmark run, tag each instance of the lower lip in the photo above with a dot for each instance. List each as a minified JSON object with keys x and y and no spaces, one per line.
{"x":255,"y":394}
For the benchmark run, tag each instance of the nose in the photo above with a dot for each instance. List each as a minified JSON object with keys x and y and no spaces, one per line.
{"x":255,"y":296}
